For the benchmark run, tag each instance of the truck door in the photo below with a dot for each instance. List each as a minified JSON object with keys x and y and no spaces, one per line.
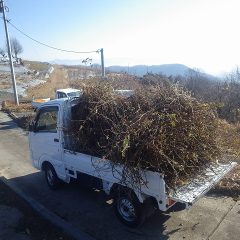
{"x":45,"y":141}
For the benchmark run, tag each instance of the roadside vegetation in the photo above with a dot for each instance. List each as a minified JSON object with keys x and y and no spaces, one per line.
{"x":36,"y":66}
{"x":10,"y":106}
{"x":22,"y":114}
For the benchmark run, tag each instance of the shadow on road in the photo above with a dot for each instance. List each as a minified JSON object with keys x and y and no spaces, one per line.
{"x":15,"y":124}
{"x":8,"y":125}
{"x":90,"y":210}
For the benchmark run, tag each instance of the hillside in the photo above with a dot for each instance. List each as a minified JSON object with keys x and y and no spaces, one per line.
{"x":28,"y":75}
{"x":140,"y":70}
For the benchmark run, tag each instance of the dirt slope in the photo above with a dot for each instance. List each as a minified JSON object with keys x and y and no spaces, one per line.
{"x":58,"y":79}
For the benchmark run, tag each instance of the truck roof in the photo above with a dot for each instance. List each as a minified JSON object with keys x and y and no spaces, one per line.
{"x":68,"y":90}
{"x":55,"y":101}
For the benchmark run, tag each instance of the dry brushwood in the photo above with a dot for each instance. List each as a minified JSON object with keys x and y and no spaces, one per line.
{"x":160,"y":129}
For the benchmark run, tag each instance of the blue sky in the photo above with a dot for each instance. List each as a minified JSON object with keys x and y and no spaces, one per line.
{"x":198,"y":33}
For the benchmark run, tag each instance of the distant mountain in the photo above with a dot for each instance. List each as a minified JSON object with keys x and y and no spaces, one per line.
{"x":75,"y":63}
{"x":140,"y":70}
{"x":66,"y":62}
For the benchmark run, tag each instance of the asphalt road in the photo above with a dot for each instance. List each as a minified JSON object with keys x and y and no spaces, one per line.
{"x":92,"y":212}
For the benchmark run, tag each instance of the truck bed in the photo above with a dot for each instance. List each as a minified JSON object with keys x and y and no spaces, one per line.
{"x":79,"y":163}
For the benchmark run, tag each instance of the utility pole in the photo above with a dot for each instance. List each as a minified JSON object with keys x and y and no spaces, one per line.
{"x":102,"y":63}
{"x":2,"y":9}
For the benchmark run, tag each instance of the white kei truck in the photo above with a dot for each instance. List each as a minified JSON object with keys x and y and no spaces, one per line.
{"x":60,"y":93}
{"x":50,"y":149}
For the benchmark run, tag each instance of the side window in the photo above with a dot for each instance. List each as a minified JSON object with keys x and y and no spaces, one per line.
{"x":47,"y":120}
{"x":61,"y":95}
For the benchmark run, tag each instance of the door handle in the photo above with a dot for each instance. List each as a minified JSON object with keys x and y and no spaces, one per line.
{"x":56,"y":140}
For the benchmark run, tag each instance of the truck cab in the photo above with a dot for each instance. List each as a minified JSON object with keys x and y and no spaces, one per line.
{"x":68,"y":93}
{"x":60,"y":93}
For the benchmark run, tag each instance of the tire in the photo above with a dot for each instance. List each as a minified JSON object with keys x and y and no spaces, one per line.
{"x":52,"y":179}
{"x":128,"y":209}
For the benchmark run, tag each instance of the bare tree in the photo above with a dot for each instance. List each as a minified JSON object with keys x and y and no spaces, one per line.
{"x":16,"y":47}
{"x":2,"y":52}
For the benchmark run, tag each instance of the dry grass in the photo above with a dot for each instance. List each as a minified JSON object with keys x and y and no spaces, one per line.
{"x":116,"y":81}
{"x":10,"y":106}
{"x":57,"y":80}
{"x":23,"y":114}
{"x":34,"y":65}
{"x":229,"y":138}
{"x":231,"y":182}
{"x":5,"y":81}
{"x":229,"y":141}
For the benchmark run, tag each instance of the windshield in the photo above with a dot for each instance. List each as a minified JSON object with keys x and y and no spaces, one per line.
{"x":74,"y":94}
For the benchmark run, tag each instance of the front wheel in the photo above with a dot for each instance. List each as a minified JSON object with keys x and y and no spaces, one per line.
{"x":51,"y":177}
{"x":128,"y":209}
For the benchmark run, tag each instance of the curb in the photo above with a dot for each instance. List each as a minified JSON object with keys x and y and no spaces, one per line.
{"x":47,"y":214}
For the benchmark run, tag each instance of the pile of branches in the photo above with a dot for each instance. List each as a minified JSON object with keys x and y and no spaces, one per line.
{"x":158,"y":128}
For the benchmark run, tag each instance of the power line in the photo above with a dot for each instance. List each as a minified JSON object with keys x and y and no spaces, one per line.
{"x":59,"y":49}
{"x":46,"y":45}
